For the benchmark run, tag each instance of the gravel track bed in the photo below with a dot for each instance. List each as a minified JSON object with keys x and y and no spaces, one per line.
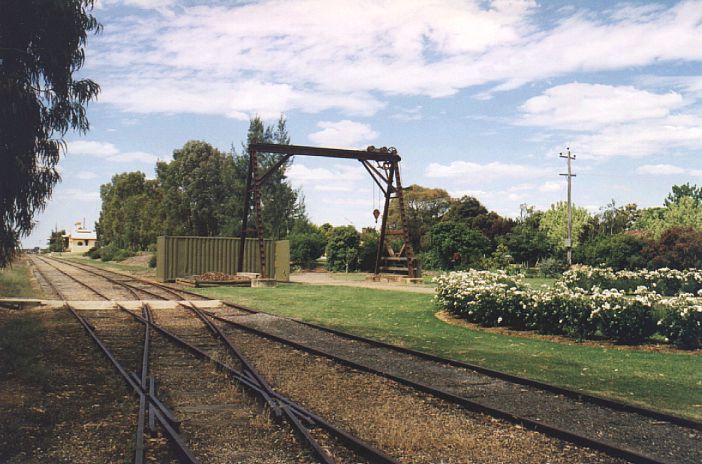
{"x":124,"y":338}
{"x":76,"y":410}
{"x":220,"y":422}
{"x":137,"y":284}
{"x":660,"y":439}
{"x":409,"y":425}
{"x":75,"y":291}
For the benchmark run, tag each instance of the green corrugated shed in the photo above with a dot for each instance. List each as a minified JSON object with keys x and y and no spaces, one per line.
{"x":185,"y":256}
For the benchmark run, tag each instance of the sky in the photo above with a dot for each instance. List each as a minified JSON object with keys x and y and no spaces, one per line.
{"x":478,"y":97}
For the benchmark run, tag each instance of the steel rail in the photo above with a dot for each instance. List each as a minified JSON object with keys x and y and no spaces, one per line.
{"x":301,"y":413}
{"x":277,"y":409}
{"x":262,"y":389}
{"x":184,"y":453}
{"x":130,"y":287}
{"x":575,"y":394}
{"x":157,"y":411}
{"x":247,"y":367}
{"x":73,"y":278}
{"x":601,"y":445}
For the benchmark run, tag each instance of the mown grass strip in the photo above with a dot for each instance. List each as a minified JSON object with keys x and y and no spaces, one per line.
{"x":669,"y":382}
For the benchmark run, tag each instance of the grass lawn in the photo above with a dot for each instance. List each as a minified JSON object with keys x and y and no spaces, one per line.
{"x":537,"y":282}
{"x":668,"y":382}
{"x":16,"y":281}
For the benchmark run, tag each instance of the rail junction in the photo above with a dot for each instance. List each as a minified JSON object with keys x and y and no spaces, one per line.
{"x":145,"y":329}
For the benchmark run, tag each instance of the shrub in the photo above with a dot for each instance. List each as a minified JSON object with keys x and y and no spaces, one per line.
{"x":484,"y":297}
{"x":122,"y":254}
{"x":562,"y":311}
{"x":342,"y":249}
{"x":112,"y":253}
{"x":456,"y":245}
{"x":306,"y":248}
{"x":682,"y":322}
{"x":627,"y":320}
{"x":107,"y":252}
{"x":619,"y":251}
{"x":152,"y":261}
{"x":495,"y":298}
{"x":668,"y":282}
{"x":552,"y":267}
{"x":368,"y":249}
{"x":93,"y":253}
{"x":677,"y":248}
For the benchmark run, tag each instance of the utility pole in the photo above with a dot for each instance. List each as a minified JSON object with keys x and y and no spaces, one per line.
{"x":570,"y":175}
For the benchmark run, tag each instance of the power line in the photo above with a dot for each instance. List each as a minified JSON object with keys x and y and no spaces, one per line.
{"x":570,"y":175}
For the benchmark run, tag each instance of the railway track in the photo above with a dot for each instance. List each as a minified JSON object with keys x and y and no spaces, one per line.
{"x":620,"y":430}
{"x":210,"y":394}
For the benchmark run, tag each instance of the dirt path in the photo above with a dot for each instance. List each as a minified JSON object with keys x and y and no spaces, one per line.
{"x":326,"y":278}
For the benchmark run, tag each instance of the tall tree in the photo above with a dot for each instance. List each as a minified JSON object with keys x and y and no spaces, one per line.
{"x":424,"y":207}
{"x":554,"y":223}
{"x":465,"y":209}
{"x":195,"y":189}
{"x":683,"y":208}
{"x":281,"y":204}
{"x":682,"y":191}
{"x":41,"y":47}
{"x":455,"y":245}
{"x":56,"y":240}
{"x":131,"y":214}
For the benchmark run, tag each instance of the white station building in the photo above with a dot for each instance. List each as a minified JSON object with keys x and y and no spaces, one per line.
{"x":80,"y":239}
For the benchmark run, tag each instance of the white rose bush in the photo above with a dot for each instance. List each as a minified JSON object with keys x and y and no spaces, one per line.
{"x":682,"y":322}
{"x":628,"y":315}
{"x":666,"y":282}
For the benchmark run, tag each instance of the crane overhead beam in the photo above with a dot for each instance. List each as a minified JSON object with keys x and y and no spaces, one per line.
{"x":371,"y":154}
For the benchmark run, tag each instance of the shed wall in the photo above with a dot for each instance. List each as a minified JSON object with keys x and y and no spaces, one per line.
{"x":186,"y":256}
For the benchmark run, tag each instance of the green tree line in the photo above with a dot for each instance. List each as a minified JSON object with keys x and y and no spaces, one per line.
{"x":199,"y":192}
{"x":457,"y":233}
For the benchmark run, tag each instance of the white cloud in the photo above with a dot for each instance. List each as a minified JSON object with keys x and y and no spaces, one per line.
{"x":74,"y":194}
{"x":109,"y":152}
{"x":344,"y":133}
{"x":270,"y":57}
{"x":85,"y":175}
{"x":301,"y":173}
{"x":659,"y":170}
{"x":615,"y":120}
{"x":466,"y":170}
{"x":580,"y":107}
{"x":657,"y":137}
{"x":409,"y":114}
{"x":551,"y":186}
{"x":341,"y":179}
{"x":143,"y":4}
{"x":91,"y":148}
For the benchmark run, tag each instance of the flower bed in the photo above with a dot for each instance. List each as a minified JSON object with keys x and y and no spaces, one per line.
{"x":682,"y":322}
{"x":667,"y":282}
{"x":494,"y":298}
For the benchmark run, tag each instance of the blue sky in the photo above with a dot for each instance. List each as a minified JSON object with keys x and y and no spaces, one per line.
{"x":479,"y":97}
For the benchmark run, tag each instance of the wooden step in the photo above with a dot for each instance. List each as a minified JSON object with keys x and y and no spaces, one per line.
{"x":394,"y":258}
{"x":394,"y":269}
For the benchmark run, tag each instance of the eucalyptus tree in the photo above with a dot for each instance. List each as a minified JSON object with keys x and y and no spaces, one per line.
{"x":42,"y":45}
